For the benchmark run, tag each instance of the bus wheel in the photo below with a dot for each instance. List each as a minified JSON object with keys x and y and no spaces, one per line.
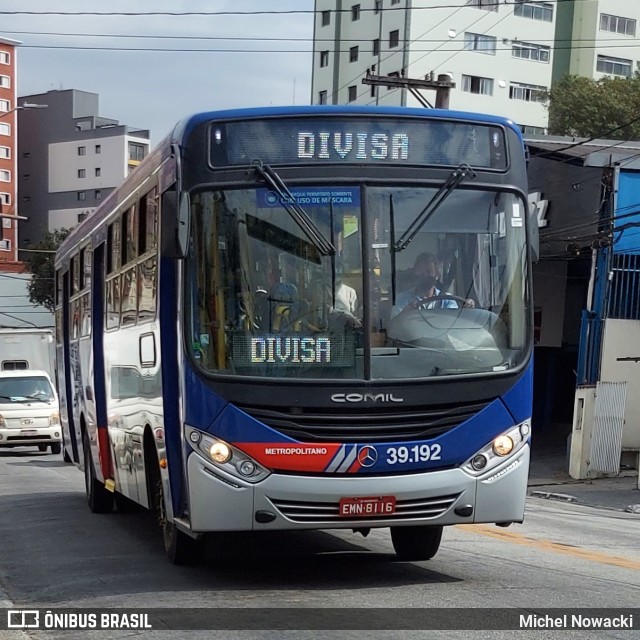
{"x":99,"y":499}
{"x":179,"y":547}
{"x":416,"y":543}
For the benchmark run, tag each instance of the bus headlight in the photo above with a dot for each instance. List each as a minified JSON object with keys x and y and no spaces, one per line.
{"x":220,"y":452}
{"x":498,"y":450}
{"x":225,"y":456}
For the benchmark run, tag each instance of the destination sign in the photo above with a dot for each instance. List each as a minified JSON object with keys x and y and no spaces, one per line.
{"x":358,"y":140}
{"x":282,"y":350}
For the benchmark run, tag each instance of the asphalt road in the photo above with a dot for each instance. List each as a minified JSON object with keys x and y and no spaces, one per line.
{"x":54,"y":553}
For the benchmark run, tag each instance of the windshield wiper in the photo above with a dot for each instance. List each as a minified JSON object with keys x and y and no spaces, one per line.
{"x":454,"y":179}
{"x":300,"y":216}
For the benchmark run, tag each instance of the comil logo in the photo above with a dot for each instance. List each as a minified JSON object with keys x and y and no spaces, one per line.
{"x":374,"y":398}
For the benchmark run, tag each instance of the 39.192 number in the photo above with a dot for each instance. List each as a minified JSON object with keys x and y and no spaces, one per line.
{"x":417,"y":453}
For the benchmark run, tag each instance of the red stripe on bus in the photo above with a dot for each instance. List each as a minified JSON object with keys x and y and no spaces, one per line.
{"x":104,"y":453}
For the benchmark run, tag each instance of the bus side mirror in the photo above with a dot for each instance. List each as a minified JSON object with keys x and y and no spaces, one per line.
{"x":175,"y":229}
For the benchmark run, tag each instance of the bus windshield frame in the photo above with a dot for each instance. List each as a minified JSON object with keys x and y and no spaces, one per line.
{"x":268,"y":304}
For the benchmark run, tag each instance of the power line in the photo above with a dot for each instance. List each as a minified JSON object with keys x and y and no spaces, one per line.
{"x":279,"y":38}
{"x":266,"y":12}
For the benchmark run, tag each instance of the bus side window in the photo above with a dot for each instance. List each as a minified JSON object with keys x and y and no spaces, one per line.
{"x":148,"y":222}
{"x":129,"y":236}
{"x":113,"y":303}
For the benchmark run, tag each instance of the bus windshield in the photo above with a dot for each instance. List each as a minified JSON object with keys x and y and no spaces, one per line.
{"x":264,"y":301}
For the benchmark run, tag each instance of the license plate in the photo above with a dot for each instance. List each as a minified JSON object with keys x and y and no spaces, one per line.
{"x":28,"y":432}
{"x":363,"y":507}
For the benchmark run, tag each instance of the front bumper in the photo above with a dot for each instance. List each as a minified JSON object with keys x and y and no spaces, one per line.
{"x":221,"y":502}
{"x":34,"y":436}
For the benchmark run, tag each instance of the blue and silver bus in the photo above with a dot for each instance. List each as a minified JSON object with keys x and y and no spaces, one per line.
{"x":305,"y":318}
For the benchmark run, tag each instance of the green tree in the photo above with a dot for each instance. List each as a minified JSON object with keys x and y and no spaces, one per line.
{"x":587,"y":108}
{"x":40,"y":264}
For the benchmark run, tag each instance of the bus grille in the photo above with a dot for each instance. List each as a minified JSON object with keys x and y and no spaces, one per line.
{"x":422,"y":508}
{"x":374,"y":424}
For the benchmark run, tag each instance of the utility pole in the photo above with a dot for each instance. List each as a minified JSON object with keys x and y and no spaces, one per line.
{"x":442,"y":85}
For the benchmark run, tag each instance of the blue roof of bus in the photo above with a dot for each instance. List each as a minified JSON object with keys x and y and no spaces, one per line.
{"x":186,"y":125}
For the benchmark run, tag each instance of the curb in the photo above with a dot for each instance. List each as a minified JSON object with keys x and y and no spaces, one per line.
{"x":548,"y":495}
{"x":5,"y":603}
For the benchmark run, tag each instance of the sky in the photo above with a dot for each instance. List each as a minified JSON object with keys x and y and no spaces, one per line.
{"x":155,"y":89}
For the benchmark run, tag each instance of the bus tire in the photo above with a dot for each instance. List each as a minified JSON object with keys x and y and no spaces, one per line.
{"x":415,"y":544}
{"x":180,"y":548}
{"x":98,"y":498}
{"x":56,"y":448}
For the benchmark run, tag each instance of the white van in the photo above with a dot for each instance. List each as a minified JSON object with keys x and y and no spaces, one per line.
{"x":29,"y":411}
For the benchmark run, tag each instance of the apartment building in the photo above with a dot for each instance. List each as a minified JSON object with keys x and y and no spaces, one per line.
{"x":8,"y":227}
{"x":70,"y":158}
{"x":502,"y":57}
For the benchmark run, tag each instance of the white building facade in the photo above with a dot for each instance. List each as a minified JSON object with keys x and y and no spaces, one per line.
{"x":502,"y":57}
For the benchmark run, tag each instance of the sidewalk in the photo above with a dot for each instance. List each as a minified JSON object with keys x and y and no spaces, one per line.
{"x":548,"y":477}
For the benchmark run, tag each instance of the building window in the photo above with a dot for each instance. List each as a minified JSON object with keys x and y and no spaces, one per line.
{"x":82,"y":151}
{"x":98,"y":172}
{"x":136,"y":151}
{"x":528,"y":129}
{"x":82,"y":173}
{"x":98,"y":149}
{"x":322,"y":97}
{"x":5,"y":198}
{"x":394,"y":38}
{"x":615,"y":24}
{"x":5,"y":175}
{"x":5,"y":105}
{"x":26,"y":198}
{"x":324,"y":58}
{"x":26,"y":154}
{"x":5,"y":82}
{"x":528,"y":51}
{"x":353,"y":93}
{"x":97,"y":194}
{"x":5,"y":58}
{"x":486,"y":5}
{"x":476,"y":84}
{"x":395,"y":1}
{"x":527,"y":92}
{"x":355,"y":12}
{"x":378,"y":6}
{"x":534,"y":10}
{"x":376,"y":47}
{"x":82,"y":195}
{"x":614,"y":66}
{"x":326,"y":18}
{"x":353,"y":54}
{"x":5,"y":245}
{"x":479,"y":42}
{"x":5,"y":129}
{"x":5,"y":153}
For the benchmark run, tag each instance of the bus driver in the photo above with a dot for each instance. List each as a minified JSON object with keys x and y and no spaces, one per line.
{"x":425,"y":275}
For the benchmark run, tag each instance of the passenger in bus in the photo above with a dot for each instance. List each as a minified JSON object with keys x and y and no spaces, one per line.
{"x":425,"y":276}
